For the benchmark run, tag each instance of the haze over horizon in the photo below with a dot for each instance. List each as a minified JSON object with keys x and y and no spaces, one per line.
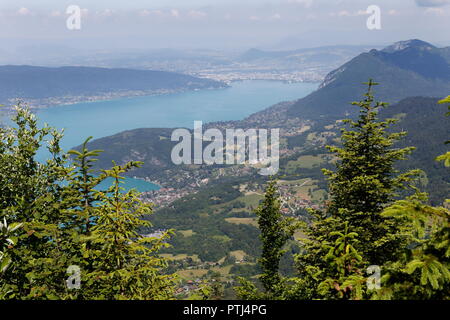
{"x":222,"y":24}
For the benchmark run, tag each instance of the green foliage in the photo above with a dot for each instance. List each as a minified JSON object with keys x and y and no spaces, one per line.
{"x":276,"y":230}
{"x":347,"y":262}
{"x":65,"y":221}
{"x":212,"y":290}
{"x":427,"y":129}
{"x":422,"y":271}
{"x":7,"y":242}
{"x":362,"y":225}
{"x":203,"y":212}
{"x":444,"y":101}
{"x":366,"y":179}
{"x":364,"y":182}
{"x":124,"y":263}
{"x":247,"y":290}
{"x":445,"y":157}
{"x":30,"y":194}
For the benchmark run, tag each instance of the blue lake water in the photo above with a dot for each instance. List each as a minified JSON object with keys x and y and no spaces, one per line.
{"x":130,"y":183}
{"x":103,"y":118}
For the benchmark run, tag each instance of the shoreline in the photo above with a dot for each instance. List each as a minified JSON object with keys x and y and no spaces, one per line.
{"x":55,"y":102}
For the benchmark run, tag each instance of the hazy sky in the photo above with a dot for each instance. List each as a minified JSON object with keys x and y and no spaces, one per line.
{"x":219,"y":24}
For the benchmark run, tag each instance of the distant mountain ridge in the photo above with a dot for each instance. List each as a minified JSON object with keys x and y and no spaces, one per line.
{"x":30,"y":82}
{"x":418,"y":56}
{"x":421,"y":68}
{"x":407,"y":44}
{"x":326,"y":53}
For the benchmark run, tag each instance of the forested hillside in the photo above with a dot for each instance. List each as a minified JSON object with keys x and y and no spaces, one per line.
{"x":427,"y":131}
{"x":421,"y":68}
{"x":30,"y":82}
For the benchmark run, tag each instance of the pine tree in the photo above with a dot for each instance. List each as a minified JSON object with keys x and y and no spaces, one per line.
{"x":364,"y":183}
{"x":347,"y":262}
{"x":276,"y":230}
{"x":422,"y":271}
{"x":31,"y":194}
{"x":83,"y":183}
{"x":125,"y":264}
{"x":65,"y":221}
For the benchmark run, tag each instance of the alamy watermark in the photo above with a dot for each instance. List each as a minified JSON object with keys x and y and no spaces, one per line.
{"x":374,"y":20}
{"x":73,"y":22}
{"x":74,"y":280}
{"x":250,"y":146}
{"x":374,"y":280}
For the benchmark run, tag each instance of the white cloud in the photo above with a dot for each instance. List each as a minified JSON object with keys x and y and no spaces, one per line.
{"x":106,"y":13}
{"x":84,"y":12}
{"x":24,"y":11}
{"x":175,"y":13}
{"x":361,"y":13}
{"x":435,"y":11}
{"x":276,"y":16}
{"x":146,"y":13}
{"x":346,"y":13}
{"x":56,"y":13}
{"x":196,"y":14}
{"x":343,"y":13}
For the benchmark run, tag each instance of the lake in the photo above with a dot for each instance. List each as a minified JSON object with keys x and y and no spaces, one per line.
{"x":104,"y":118}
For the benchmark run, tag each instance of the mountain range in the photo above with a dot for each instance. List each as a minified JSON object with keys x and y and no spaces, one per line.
{"x":328,"y":54}
{"x":405,"y":69}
